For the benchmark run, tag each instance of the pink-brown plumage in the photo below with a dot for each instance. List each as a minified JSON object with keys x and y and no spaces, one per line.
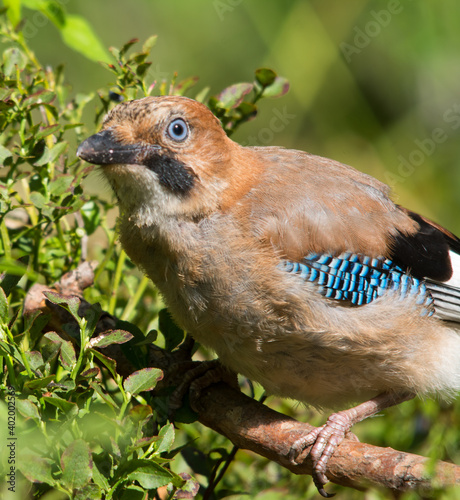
{"x":211,"y":221}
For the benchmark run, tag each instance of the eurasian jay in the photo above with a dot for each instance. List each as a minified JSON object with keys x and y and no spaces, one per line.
{"x":298,"y":271}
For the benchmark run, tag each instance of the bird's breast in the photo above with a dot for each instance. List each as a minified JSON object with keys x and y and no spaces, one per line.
{"x":229,"y":293}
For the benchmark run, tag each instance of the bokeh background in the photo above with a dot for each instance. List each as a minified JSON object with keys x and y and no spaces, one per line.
{"x":374,"y":84}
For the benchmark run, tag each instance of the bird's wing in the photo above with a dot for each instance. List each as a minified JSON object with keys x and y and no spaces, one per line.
{"x":338,"y":228}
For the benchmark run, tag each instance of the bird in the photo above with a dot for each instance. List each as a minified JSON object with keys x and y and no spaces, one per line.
{"x":298,"y":271}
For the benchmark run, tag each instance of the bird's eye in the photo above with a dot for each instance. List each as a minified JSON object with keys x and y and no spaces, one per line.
{"x":178,"y":130}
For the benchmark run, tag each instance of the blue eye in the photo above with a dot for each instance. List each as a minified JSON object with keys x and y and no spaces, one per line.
{"x":178,"y":130}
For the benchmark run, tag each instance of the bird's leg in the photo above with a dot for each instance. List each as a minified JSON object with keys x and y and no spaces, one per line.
{"x":199,"y":377}
{"x":326,"y":439}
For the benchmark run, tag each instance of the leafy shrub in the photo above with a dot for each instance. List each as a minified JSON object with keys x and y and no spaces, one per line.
{"x":82,"y":428}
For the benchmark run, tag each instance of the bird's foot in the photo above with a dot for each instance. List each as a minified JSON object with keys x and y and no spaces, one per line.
{"x":198,"y":378}
{"x":325,"y":441}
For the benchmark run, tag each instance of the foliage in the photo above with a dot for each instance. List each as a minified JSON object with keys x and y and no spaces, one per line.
{"x":48,"y":224}
{"x":83,"y":430}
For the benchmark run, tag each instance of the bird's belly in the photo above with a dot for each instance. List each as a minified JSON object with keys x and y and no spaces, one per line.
{"x":286,"y":337}
{"x":291,"y":366}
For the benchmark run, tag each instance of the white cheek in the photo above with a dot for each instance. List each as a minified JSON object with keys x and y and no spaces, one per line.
{"x":140,"y":195}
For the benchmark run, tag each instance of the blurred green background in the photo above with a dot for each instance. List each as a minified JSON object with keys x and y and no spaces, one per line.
{"x":374,"y":84}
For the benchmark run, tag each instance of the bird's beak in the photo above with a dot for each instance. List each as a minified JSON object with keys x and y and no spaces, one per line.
{"x":104,"y":149}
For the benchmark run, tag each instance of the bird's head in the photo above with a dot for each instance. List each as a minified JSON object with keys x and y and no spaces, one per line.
{"x":165,"y":154}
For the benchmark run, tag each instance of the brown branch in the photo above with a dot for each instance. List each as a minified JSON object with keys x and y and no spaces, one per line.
{"x":253,"y":426}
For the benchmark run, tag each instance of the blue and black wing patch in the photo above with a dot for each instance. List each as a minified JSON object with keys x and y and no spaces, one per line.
{"x":358,"y":279}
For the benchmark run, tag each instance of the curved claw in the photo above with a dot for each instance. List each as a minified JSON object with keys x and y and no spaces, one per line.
{"x":197,"y":378}
{"x":325,"y":441}
{"x":323,"y":492}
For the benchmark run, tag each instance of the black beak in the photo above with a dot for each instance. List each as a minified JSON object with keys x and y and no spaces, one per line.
{"x":104,"y":149}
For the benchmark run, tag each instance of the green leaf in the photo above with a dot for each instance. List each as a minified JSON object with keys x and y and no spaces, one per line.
{"x":233,"y":96}
{"x":248,"y":110}
{"x":3,"y":307}
{"x":27,"y":408}
{"x":67,"y":355}
{"x":38,"y":200}
{"x":278,"y":88}
{"x":61,"y":184}
{"x":116,"y":55}
{"x":4,"y":153}
{"x":67,"y":385}
{"x":90,"y":372}
{"x":70,"y":304}
{"x":109,"y":363}
{"x":105,"y":397}
{"x":89,"y":492}
{"x":142,"y":69}
{"x":14,"y":10}
{"x":91,"y":214}
{"x":126,"y":47}
{"x":190,"y":488}
{"x":36,"y":469}
{"x":142,"y":380}
{"x":149,"y":474}
{"x":35,"y":359}
{"x":265,"y":76}
{"x":39,"y":383}
{"x":182,"y":87}
{"x":98,"y":477}
{"x":10,"y":350}
{"x":34,"y":324}
{"x":13,"y":58}
{"x":172,"y":333}
{"x":201,"y":96}
{"x":76,"y":464}
{"x":40,"y":97}
{"x":148,"y":339}
{"x":92,"y":315}
{"x":133,"y":493}
{"x":67,"y":351}
{"x":141,"y":443}
{"x":70,"y":409}
{"x":45,"y":131}
{"x":17,"y":269}
{"x":165,"y":438}
{"x":111,"y":337}
{"x":50,"y":155}
{"x":78,"y":35}
{"x":149,"y":43}
{"x":5,"y":94}
{"x":140,"y":414}
{"x":54,"y":11}
{"x":35,"y":4}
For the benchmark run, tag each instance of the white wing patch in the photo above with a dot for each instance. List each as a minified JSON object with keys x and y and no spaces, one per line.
{"x":455,"y":260}
{"x":446,"y":295}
